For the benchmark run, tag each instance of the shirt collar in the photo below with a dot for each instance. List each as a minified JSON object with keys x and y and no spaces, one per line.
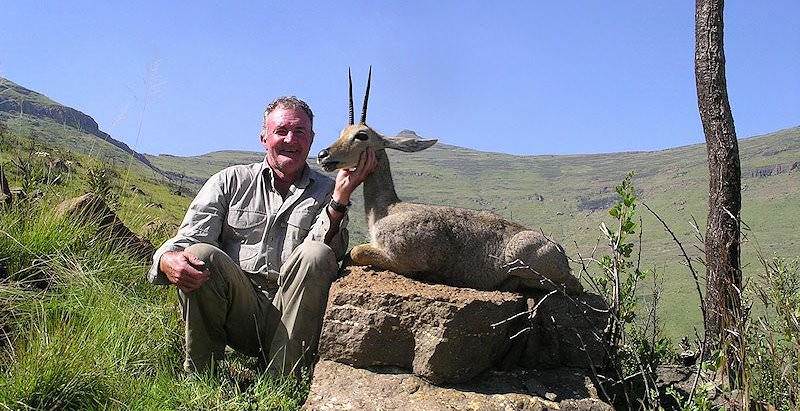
{"x":302,"y":182}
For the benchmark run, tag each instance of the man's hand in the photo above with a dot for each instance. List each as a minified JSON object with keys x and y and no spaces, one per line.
{"x":184,"y":270}
{"x":348,"y":180}
{"x":346,"y":183}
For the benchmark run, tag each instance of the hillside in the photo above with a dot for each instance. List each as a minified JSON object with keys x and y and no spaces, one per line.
{"x":564,"y":196}
{"x":567,"y":197}
{"x":29,"y":113}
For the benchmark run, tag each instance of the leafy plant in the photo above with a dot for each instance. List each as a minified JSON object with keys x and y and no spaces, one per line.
{"x":773,"y":340}
{"x":637,"y":346}
{"x":101,"y":180}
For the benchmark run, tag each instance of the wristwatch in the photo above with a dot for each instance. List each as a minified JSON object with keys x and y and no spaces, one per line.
{"x":339,"y":207}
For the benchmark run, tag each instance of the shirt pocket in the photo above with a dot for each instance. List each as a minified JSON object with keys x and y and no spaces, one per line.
{"x":247,"y":233}
{"x":297,"y":227}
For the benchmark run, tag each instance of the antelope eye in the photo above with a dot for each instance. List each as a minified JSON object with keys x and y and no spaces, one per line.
{"x":361,"y":136}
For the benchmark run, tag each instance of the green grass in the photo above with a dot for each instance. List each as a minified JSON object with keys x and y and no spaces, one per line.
{"x":81,"y":327}
{"x":11,"y":90}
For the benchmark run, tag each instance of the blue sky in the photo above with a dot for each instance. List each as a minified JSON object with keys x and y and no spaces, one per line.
{"x":517,"y":77}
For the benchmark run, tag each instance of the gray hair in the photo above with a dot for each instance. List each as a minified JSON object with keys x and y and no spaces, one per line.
{"x":289,"y":102}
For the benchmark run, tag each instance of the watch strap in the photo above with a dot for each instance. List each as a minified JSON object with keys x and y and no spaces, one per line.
{"x":339,"y":207}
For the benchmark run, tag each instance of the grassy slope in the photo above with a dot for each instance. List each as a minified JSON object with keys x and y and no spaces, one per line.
{"x":99,"y":336}
{"x":48,"y":133}
{"x":12,"y":91}
{"x":576,"y":190}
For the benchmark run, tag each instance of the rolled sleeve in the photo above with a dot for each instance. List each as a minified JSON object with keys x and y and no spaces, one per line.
{"x":322,"y":227}
{"x":202,"y":224}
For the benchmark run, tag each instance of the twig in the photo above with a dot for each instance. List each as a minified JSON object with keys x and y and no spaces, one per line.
{"x":591,"y":365}
{"x":532,"y":311}
{"x":685,"y":257}
{"x":584,"y":269}
{"x":699,"y":365}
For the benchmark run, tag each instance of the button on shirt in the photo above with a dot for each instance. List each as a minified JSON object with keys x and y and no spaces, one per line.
{"x":239,"y":211}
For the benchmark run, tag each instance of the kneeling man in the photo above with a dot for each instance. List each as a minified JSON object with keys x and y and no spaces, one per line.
{"x":251,"y":226}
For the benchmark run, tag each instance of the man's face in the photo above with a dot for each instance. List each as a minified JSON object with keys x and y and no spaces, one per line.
{"x":287,"y":138}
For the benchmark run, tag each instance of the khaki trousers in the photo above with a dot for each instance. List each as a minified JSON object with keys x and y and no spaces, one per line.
{"x":233,"y":308}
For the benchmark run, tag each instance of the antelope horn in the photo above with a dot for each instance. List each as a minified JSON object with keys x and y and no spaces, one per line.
{"x":366,"y":98}
{"x":350,"y":80}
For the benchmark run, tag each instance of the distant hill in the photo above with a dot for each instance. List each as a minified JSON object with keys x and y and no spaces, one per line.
{"x":565,"y":196}
{"x":30,"y":111}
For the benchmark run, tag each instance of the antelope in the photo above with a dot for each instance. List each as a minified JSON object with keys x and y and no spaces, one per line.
{"x":448,"y":245}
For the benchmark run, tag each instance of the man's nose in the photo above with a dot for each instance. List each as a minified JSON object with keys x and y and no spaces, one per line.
{"x":289,"y":137}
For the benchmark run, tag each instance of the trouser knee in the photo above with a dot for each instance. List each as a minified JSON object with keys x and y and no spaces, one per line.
{"x":207,"y":253}
{"x":320,"y":257}
{"x":216,"y":263}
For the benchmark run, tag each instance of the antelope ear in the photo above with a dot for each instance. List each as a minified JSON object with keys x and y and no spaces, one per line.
{"x":407,"y":144}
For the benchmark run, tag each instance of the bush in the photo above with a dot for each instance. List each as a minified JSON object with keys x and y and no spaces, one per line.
{"x":636,"y":343}
{"x":773,"y":340}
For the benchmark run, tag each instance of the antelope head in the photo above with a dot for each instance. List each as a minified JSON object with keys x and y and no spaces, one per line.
{"x":356,"y":138}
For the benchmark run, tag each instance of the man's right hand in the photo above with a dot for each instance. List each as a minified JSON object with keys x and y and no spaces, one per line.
{"x":184,"y":270}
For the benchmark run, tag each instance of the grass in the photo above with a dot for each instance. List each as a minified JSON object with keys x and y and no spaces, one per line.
{"x":80,"y":328}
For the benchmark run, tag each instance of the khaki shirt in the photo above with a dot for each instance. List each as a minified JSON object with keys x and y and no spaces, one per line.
{"x":239,"y":211}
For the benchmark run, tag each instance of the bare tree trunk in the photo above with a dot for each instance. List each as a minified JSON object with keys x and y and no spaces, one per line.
{"x":723,"y":268}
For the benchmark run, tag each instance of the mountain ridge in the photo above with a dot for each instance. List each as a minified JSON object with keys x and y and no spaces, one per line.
{"x":453,"y":146}
{"x":20,"y":100}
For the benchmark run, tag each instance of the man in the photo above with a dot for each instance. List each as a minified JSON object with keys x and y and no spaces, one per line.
{"x":250,"y":225}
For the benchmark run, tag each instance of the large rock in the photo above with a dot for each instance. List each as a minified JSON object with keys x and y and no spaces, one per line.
{"x":443,"y":334}
{"x":567,"y":331}
{"x":90,"y":207}
{"x":341,"y":387}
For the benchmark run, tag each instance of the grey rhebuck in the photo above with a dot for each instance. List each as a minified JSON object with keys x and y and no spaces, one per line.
{"x":447,"y":245}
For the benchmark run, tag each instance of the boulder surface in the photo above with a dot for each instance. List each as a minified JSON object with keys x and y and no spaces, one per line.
{"x":341,"y":387}
{"x":391,"y":342}
{"x":443,"y":334}
{"x":567,"y":331}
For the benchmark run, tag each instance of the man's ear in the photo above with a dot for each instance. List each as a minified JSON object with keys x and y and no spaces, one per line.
{"x":407,"y":144}
{"x":262,"y":136}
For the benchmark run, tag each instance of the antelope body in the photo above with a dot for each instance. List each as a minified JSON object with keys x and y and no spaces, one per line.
{"x":448,"y":245}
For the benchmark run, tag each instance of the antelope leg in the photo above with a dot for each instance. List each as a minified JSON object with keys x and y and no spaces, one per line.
{"x":368,"y":254}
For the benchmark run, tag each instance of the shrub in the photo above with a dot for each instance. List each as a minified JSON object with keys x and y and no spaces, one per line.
{"x":773,"y":340}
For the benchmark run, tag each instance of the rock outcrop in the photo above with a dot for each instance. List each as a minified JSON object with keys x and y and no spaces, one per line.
{"x":90,"y":207}
{"x":342,"y":387}
{"x":441,"y":333}
{"x":390,"y":342}
{"x":567,"y":332}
